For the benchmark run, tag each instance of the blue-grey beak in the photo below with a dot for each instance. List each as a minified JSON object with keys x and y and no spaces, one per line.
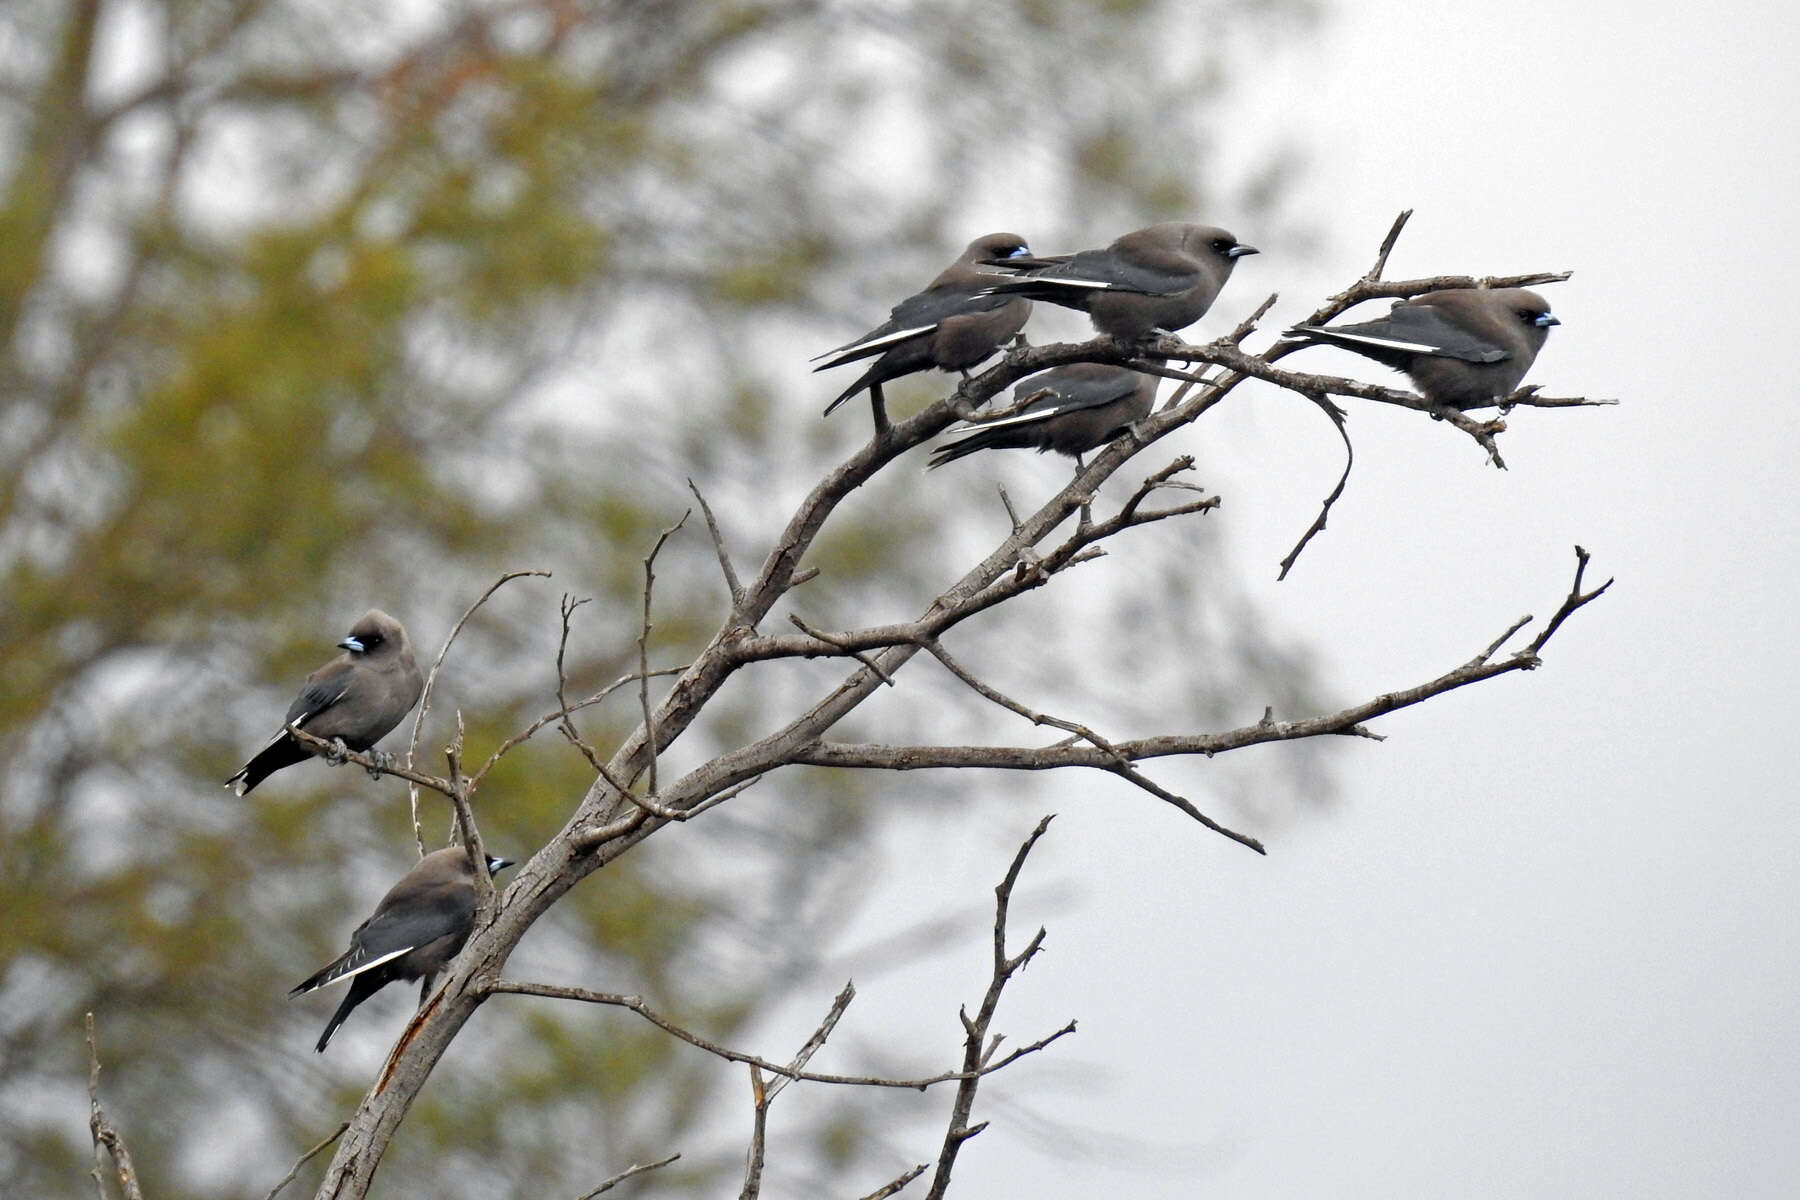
{"x":1545,"y":320}
{"x":1239,"y":250}
{"x":496,"y":865}
{"x":352,"y":645}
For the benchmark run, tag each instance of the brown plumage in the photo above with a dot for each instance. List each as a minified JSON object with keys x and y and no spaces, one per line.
{"x":356,"y":698}
{"x":1463,"y":347}
{"x":1160,"y":277}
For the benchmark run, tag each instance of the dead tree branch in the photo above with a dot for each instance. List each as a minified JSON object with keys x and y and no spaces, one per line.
{"x":106,"y":1135}
{"x":978,"y":1046}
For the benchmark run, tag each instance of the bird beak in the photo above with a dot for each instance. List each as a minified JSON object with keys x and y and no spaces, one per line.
{"x":1239,"y":250}
{"x":351,"y":644}
{"x":1545,"y":320}
{"x":496,"y":865}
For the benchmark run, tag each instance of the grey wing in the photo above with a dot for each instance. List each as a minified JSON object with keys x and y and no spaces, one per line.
{"x":393,"y":932}
{"x":1109,"y":272}
{"x":1423,"y":329}
{"x":323,"y":688}
{"x":915,"y":316}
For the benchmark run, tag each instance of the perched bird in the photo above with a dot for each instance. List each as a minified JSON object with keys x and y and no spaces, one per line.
{"x":415,"y":931}
{"x":1463,"y":347}
{"x":1078,"y":408}
{"x":951,"y":325}
{"x":354,"y":699}
{"x":1160,"y":277}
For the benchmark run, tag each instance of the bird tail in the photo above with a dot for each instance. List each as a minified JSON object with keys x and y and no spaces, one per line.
{"x":869,"y":378}
{"x":357,"y":994}
{"x":983,"y":439}
{"x":284,"y":751}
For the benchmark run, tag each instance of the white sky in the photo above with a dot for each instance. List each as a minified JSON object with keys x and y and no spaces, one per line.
{"x":1547,"y":946}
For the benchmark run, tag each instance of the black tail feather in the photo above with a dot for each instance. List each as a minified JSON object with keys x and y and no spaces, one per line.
{"x":284,"y":751}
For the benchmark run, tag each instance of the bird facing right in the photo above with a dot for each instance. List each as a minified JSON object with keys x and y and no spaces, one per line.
{"x":415,"y":931}
{"x":1463,"y":347}
{"x":1161,"y":277}
{"x":356,"y":698}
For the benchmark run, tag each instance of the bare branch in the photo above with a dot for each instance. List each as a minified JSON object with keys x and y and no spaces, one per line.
{"x":644,"y":653}
{"x":627,"y":1173}
{"x":636,"y":1004}
{"x":889,"y":1189}
{"x":412,"y":746}
{"x":1120,"y":765}
{"x":1337,"y":420}
{"x":1344,"y":721}
{"x":976,"y":1048}
{"x":372,"y":761}
{"x":732,"y":583}
{"x":553,"y":718}
{"x":763,"y":1096}
{"x":105,"y":1134}
{"x":1387,"y":245}
{"x":841,"y":644}
{"x":1575,"y":599}
{"x":294,"y":1171}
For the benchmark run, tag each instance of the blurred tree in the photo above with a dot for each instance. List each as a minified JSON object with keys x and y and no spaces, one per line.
{"x":307,"y":305}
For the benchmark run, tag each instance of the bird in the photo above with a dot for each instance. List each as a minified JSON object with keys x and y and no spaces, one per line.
{"x":414,"y":932}
{"x":354,"y":700}
{"x":951,"y":325}
{"x":1076,"y":408}
{"x":1159,"y":277}
{"x":1463,"y":347}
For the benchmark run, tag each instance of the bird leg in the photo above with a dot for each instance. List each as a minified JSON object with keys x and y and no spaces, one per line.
{"x":878,"y":405}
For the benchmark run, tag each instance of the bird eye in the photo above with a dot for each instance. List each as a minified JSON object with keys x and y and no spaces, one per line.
{"x":1223,"y":244}
{"x":373,"y":639}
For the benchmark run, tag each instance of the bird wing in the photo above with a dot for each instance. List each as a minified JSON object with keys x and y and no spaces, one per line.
{"x":1105,"y":270}
{"x":1066,"y":397}
{"x":323,"y":688}
{"x":393,"y":932}
{"x":915,"y":316}
{"x":1416,"y":329}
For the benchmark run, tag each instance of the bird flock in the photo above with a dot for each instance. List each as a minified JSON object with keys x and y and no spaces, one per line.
{"x":1462,"y":347}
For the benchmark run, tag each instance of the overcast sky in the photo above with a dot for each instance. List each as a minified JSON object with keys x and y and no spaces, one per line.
{"x":1547,"y":944}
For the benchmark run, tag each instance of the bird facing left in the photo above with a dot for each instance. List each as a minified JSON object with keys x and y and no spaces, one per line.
{"x":356,"y":699}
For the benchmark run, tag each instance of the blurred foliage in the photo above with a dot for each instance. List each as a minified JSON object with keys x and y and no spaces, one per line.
{"x":308,"y":305}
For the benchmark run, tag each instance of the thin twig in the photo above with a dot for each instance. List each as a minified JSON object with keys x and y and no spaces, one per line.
{"x":763,"y":1096}
{"x":977,"y":1049}
{"x":1387,"y":244}
{"x":1575,"y":599}
{"x":636,"y":1004}
{"x":644,"y":650}
{"x":294,"y":1171}
{"x":1120,"y":764}
{"x":889,"y":1189}
{"x":732,"y":583}
{"x":104,"y":1132}
{"x":525,"y":734}
{"x":1337,"y":419}
{"x":627,"y":1173}
{"x":860,"y":656}
{"x":412,"y":745}
{"x":465,"y":827}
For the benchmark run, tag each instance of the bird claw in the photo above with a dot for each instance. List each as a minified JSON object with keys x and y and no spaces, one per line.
{"x":338,"y":754}
{"x":381,"y":761}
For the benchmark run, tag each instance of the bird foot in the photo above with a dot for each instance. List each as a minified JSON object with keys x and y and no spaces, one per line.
{"x":382,"y":761}
{"x":339,"y":753}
